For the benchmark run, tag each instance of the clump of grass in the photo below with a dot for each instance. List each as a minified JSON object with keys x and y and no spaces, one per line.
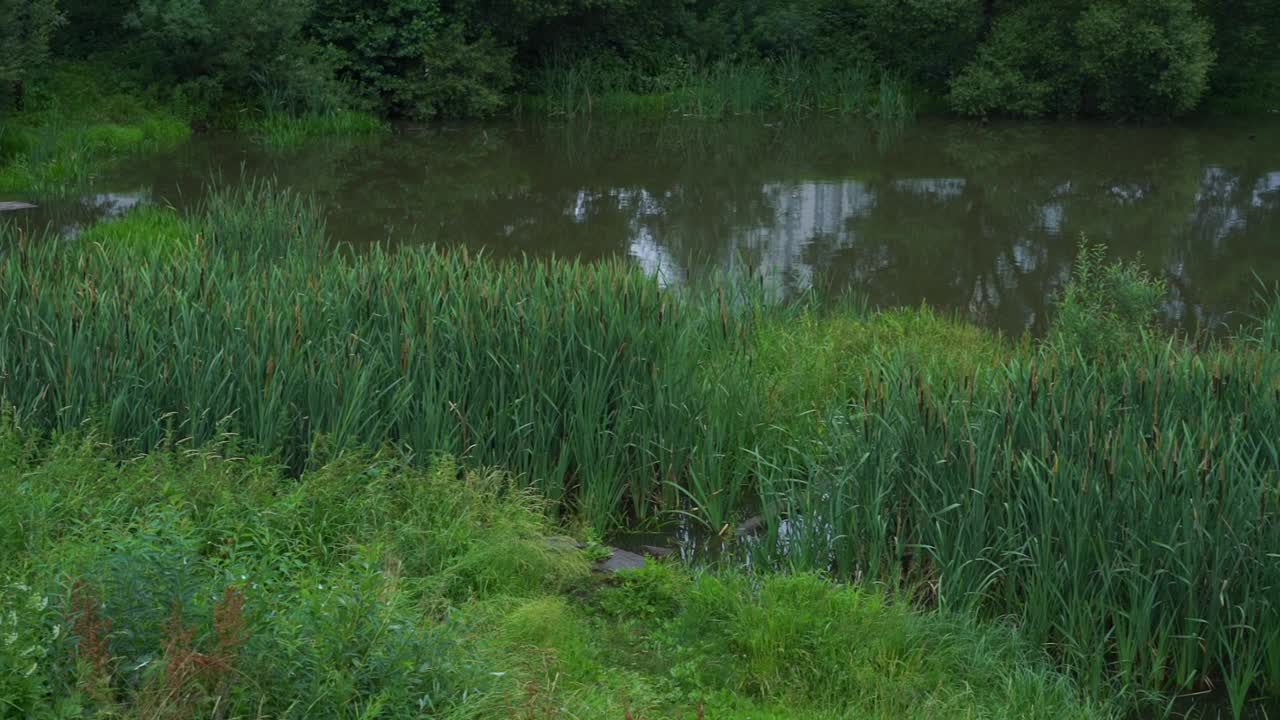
{"x":431,"y":350}
{"x":148,"y":231}
{"x":802,"y":642}
{"x":843,"y":342}
{"x":282,"y":130}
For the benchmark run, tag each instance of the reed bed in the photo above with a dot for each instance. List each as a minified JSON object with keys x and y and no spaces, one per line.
{"x":789,"y":85}
{"x":1123,"y":512}
{"x":1122,"y":509}
{"x":581,"y":378}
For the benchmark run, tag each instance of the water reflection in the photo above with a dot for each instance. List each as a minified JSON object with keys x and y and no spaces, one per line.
{"x":979,"y":219}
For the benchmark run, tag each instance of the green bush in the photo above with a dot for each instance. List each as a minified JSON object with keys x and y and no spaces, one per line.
{"x":1114,"y":57}
{"x":147,"y":232}
{"x":1026,"y":67}
{"x":1144,"y":57}
{"x":1106,"y":308}
{"x":407,"y":58}
{"x":209,"y":584}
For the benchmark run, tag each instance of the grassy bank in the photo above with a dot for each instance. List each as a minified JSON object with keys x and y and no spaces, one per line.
{"x":1110,"y":490}
{"x":203,"y":583}
{"x":73,"y":124}
{"x":78,"y":120}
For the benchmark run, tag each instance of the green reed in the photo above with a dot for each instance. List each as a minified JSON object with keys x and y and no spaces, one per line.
{"x":281,"y":131}
{"x":582,"y":378}
{"x":790,"y":85}
{"x":1124,"y":513}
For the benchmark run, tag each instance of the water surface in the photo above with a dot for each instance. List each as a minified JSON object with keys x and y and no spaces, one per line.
{"x":979,"y":219}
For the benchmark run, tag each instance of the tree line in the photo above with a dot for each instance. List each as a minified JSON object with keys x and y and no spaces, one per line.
{"x":423,"y":59}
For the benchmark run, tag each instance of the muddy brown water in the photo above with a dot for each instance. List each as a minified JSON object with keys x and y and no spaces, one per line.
{"x":979,"y":219}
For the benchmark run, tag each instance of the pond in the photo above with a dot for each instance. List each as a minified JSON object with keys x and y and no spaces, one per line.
{"x":981,"y":219}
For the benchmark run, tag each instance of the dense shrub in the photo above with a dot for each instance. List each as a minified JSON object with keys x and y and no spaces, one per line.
{"x":924,"y":39}
{"x":1143,"y":57}
{"x":1114,"y":57}
{"x":219,"y":54}
{"x":1245,"y":33}
{"x":1106,"y":307}
{"x":25,"y":28}
{"x":409,"y":58}
{"x":422,"y":59}
{"x":1026,"y":67}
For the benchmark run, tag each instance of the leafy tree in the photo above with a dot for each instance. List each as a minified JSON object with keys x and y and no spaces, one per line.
{"x":1117,"y":57}
{"x":1027,"y":67}
{"x":408,"y":58}
{"x":1144,"y":57}
{"x":1245,"y":34}
{"x":220,"y":53}
{"x":25,"y":27}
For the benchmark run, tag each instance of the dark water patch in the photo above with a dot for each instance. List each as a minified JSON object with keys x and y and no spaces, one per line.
{"x":979,"y":219}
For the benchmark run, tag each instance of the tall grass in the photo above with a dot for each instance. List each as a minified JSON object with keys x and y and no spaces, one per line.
{"x":581,"y":378}
{"x":282,"y":130}
{"x":1119,"y":503}
{"x":789,"y":85}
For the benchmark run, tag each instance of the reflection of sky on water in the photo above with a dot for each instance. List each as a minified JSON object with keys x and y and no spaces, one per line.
{"x":812,"y":221}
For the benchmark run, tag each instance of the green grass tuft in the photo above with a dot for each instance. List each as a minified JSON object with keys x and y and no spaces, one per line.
{"x":147,"y":232}
{"x":281,"y":131}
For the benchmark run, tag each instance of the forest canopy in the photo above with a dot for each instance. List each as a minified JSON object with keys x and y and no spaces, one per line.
{"x":423,"y":59}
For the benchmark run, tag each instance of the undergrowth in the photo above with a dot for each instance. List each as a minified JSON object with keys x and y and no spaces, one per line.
{"x":202,"y":583}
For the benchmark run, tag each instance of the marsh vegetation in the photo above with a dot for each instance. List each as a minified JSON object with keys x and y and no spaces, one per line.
{"x":1108,"y":490}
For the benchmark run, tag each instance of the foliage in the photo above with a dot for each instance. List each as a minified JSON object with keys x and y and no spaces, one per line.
{"x":923,"y":39}
{"x":218,"y":53}
{"x":145,"y":233}
{"x":423,"y":59}
{"x":298,"y":607}
{"x":1123,"y":58}
{"x":75,"y":121}
{"x":1245,"y":70}
{"x":1144,"y":57}
{"x":25,"y":29}
{"x":282,"y":130}
{"x":407,"y":59}
{"x":1025,"y":67}
{"x":1106,"y":308}
{"x":192,"y":583}
{"x":789,"y":84}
